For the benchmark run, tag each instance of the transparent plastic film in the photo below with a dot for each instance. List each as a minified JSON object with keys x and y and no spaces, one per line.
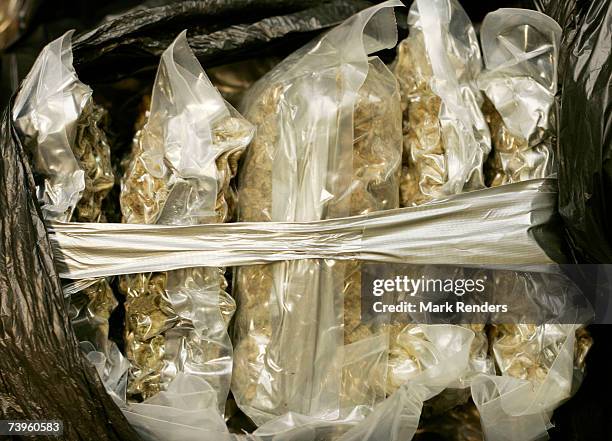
{"x":186,"y":411}
{"x":188,"y":150}
{"x":440,"y":355}
{"x":520,"y":49}
{"x":180,"y":172}
{"x":63,"y":131}
{"x":328,"y":145}
{"x":90,"y":309}
{"x":410,"y":349}
{"x":446,"y":141}
{"x":435,"y":356}
{"x":536,"y":363}
{"x":446,"y":138}
{"x":45,"y":113}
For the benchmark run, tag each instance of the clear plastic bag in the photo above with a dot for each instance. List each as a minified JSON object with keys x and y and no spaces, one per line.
{"x":64,"y":132}
{"x":446,"y":141}
{"x":446,"y":138}
{"x":328,"y":145}
{"x":535,"y":363}
{"x":537,"y":370}
{"x":186,"y":411}
{"x":180,"y":173}
{"x":520,"y":50}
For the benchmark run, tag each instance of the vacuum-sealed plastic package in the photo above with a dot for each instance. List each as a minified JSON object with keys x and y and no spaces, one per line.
{"x":535,"y":363}
{"x":520,"y":49}
{"x":64,"y":132}
{"x":37,"y":316}
{"x":538,"y":367}
{"x":446,"y":138}
{"x":180,"y":172}
{"x":328,"y":145}
{"x":446,"y":141}
{"x":318,"y":173}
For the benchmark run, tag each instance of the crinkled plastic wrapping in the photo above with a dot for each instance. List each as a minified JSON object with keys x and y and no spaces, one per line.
{"x":536,"y":367}
{"x":186,"y":411}
{"x":88,"y":412}
{"x":585,"y":153}
{"x":535,"y":362}
{"x":520,"y":49}
{"x":89,"y":310}
{"x":164,"y":410}
{"x":518,"y":404}
{"x":220,"y":32}
{"x":64,"y":132}
{"x":328,"y":144}
{"x":36,"y":338}
{"x":176,"y":321}
{"x":446,"y":138}
{"x":406,"y":360}
{"x":46,"y":111}
{"x":397,"y":417}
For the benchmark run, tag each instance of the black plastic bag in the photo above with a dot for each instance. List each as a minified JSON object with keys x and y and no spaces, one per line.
{"x":585,"y":136}
{"x":43,"y":374}
{"x":220,"y":32}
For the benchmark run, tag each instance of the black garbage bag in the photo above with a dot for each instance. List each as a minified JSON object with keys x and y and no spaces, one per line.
{"x":585,"y":136}
{"x":43,"y":374}
{"x":38,"y":23}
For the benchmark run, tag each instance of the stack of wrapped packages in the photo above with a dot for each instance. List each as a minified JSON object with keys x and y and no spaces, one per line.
{"x":328,"y":133}
{"x":466,"y":127}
